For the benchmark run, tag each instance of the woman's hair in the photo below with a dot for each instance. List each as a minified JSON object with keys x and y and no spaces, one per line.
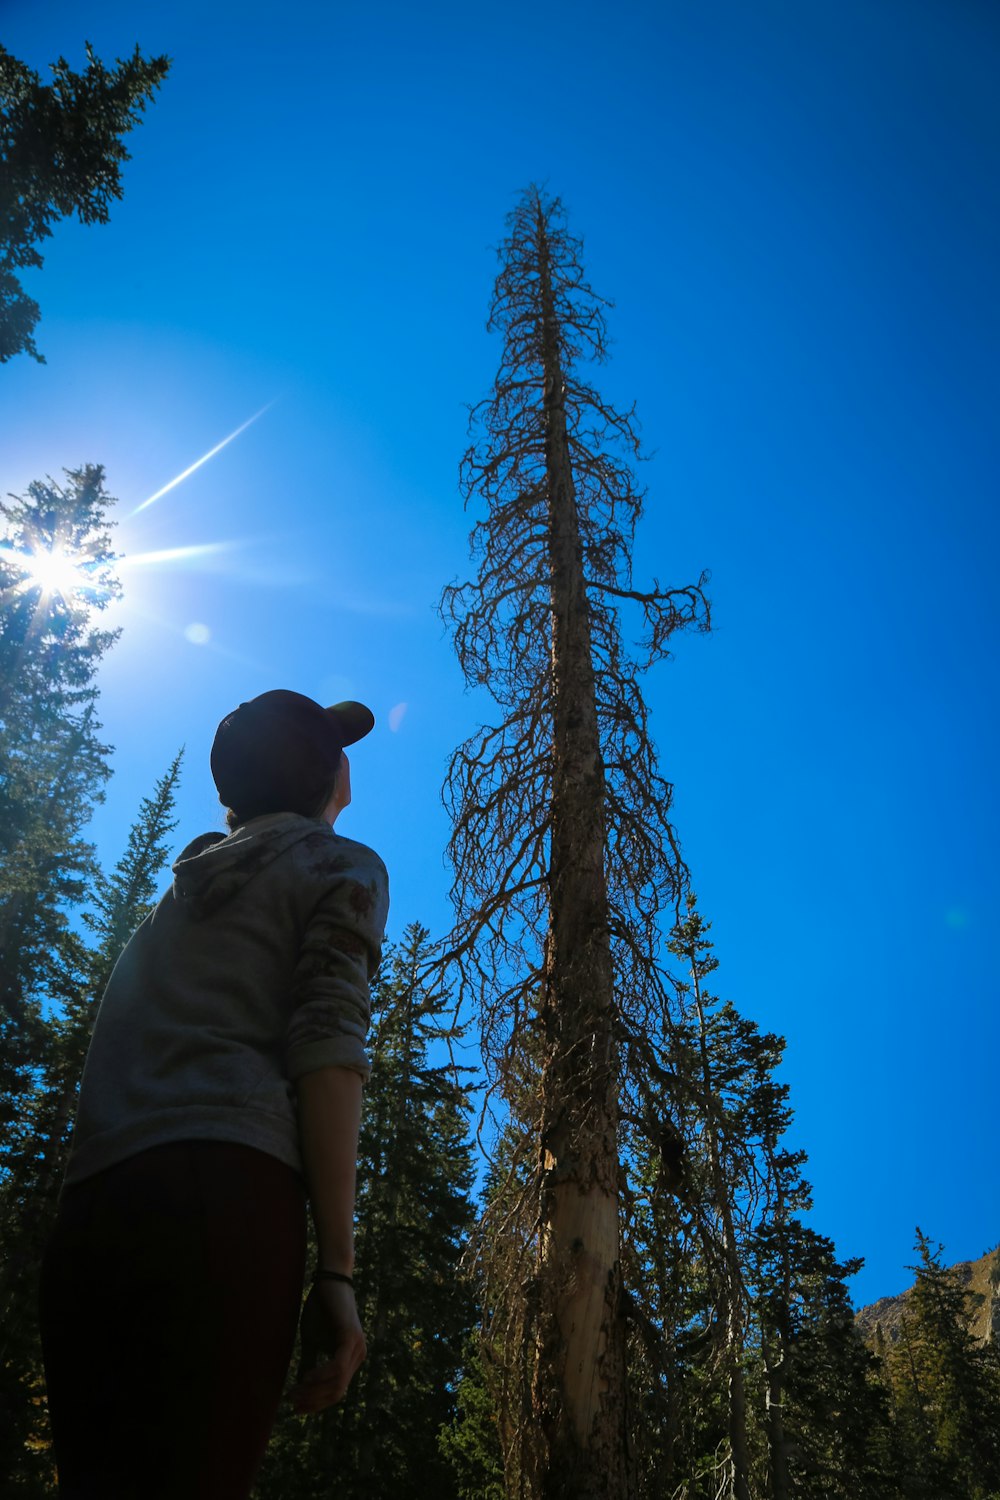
{"x":235,"y":818}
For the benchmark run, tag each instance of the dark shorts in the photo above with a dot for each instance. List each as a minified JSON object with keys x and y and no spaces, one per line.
{"x":170,"y":1293}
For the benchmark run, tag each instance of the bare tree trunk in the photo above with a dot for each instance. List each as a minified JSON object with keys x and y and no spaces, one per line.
{"x":580,"y":1371}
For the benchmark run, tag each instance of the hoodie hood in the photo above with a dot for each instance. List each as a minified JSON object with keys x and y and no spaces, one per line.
{"x":215,"y":866}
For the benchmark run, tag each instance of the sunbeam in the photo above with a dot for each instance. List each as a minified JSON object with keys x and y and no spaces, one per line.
{"x":175,"y":554}
{"x":179,"y":478}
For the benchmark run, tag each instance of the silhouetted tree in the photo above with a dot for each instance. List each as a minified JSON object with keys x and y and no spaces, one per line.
{"x":56,"y":573}
{"x":413,"y":1217}
{"x":715,"y":1088}
{"x":751,"y":1377}
{"x":120,"y":902}
{"x":470,"y":1444}
{"x":61,"y":153}
{"x":34,"y":1155}
{"x":563,"y":852}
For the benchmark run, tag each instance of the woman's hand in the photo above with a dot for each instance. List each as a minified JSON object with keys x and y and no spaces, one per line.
{"x":329,"y":1326}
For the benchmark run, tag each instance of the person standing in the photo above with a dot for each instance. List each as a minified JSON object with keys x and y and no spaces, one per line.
{"x":222,"y":1089}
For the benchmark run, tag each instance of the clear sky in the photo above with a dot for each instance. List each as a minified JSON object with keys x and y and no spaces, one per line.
{"x":795,"y":208}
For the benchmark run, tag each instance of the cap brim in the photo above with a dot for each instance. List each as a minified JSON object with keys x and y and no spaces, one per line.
{"x":353,"y":721}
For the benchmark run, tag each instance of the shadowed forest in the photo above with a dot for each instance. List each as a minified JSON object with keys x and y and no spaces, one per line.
{"x":586,"y":1264}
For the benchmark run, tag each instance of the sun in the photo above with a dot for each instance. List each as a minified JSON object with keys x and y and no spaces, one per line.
{"x":54,"y":571}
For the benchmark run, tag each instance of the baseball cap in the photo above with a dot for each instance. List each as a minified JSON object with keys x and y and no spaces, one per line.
{"x":279,"y":751}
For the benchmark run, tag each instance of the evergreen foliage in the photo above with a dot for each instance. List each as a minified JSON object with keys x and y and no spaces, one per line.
{"x":471,"y":1443}
{"x":61,"y":153}
{"x":119,"y":903}
{"x":56,"y":570}
{"x":484,"y":1444}
{"x":945,"y":1390}
{"x":414,"y":1214}
{"x":35,"y":1153}
{"x":746,"y":1373}
{"x":823,"y":1405}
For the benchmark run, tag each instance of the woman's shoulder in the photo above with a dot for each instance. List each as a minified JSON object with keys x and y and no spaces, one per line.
{"x":348,"y":887}
{"x":330,"y":855}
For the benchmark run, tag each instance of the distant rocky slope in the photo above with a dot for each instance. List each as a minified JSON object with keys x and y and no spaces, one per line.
{"x":982,"y":1277}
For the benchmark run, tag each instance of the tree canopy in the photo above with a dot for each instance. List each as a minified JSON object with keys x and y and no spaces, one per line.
{"x":61,"y":153}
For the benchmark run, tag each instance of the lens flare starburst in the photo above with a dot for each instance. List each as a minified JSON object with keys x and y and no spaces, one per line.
{"x":54,"y":572}
{"x":59,"y":579}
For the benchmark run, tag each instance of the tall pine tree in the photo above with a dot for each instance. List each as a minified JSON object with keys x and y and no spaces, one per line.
{"x":56,"y":574}
{"x":61,"y":153}
{"x":748,"y":1375}
{"x":34,"y":1155}
{"x":945,"y":1389}
{"x":414,"y":1214}
{"x":714,"y":1089}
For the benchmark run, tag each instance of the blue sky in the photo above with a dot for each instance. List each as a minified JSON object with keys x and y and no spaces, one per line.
{"x":795,"y":209}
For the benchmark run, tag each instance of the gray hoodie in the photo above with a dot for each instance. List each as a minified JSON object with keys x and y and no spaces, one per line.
{"x":252,"y":971}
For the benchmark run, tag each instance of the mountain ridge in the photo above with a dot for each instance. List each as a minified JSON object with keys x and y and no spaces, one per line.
{"x":981,"y":1278}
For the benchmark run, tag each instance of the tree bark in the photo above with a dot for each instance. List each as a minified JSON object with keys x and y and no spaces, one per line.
{"x":579,"y":1377}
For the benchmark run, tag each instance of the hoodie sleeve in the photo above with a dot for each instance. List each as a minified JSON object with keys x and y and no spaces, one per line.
{"x":340,"y":953}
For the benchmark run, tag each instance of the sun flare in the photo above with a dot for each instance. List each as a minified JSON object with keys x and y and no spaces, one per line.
{"x":54,"y":572}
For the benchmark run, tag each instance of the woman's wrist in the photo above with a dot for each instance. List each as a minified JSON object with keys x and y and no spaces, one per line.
{"x":342,"y":1265}
{"x":329,"y":1116}
{"x":323,"y":1274}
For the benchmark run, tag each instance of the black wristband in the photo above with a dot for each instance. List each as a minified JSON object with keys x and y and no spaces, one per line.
{"x":323,"y":1275}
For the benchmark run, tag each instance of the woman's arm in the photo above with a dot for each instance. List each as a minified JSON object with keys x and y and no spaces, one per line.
{"x":329,"y":1120}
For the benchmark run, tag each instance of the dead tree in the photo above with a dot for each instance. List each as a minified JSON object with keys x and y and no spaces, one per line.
{"x":563,"y":853}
